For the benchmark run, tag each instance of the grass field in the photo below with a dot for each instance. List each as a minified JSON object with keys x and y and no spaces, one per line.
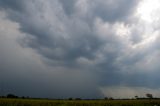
{"x":41,"y":102}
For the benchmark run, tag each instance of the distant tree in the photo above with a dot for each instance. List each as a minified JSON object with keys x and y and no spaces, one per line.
{"x":149,"y":95}
{"x":3,"y":97}
{"x":105,"y":98}
{"x":136,"y":97}
{"x":27,"y":97}
{"x":70,"y":98}
{"x":78,"y":99}
{"x":111,"y":98}
{"x":12,"y":96}
{"x":23,"y":97}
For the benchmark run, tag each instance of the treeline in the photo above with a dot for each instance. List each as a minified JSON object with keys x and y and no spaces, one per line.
{"x":14,"y":96}
{"x":27,"y":97}
{"x":148,"y":96}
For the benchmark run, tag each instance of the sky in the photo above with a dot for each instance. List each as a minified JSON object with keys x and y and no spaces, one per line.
{"x":80,"y":48}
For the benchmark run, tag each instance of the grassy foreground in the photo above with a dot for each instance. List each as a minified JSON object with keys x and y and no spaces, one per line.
{"x":40,"y":102}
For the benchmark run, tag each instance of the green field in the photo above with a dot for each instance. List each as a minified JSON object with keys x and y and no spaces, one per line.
{"x":41,"y":102}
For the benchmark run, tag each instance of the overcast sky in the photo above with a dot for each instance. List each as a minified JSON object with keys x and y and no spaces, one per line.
{"x":80,"y":48}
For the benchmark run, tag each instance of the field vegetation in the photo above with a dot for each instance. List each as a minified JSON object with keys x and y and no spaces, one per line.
{"x":47,"y":102}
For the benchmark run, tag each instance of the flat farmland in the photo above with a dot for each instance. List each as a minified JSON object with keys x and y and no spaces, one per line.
{"x":45,"y":102}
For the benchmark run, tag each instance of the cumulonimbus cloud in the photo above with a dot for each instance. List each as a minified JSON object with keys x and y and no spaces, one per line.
{"x":106,"y":39}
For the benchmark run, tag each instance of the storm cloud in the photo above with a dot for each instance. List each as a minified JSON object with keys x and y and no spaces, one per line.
{"x":78,"y":48}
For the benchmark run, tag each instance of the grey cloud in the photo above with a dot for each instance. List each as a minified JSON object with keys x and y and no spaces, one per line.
{"x":76,"y":42}
{"x":68,"y":6}
{"x":23,"y":72}
{"x":49,"y":38}
{"x":15,"y":5}
{"x":50,"y":33}
{"x":112,"y":10}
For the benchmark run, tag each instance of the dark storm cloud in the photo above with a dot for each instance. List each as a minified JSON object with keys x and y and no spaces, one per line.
{"x":76,"y":45}
{"x":48,"y":39}
{"x":23,"y":73}
{"x":15,"y":5}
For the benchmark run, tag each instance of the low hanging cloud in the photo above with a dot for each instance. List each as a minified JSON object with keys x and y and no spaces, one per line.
{"x":76,"y":48}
